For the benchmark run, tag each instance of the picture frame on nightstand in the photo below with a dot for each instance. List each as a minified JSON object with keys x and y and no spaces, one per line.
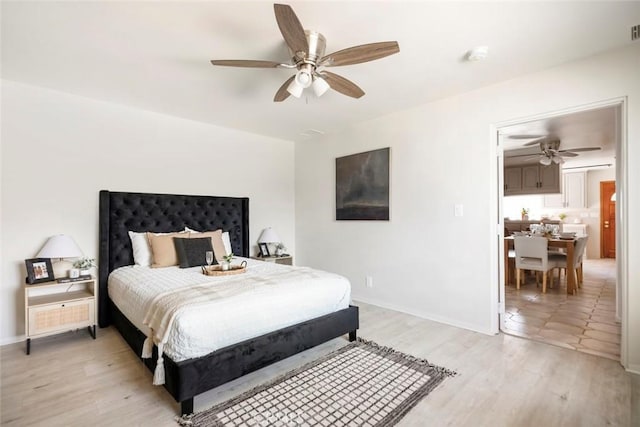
{"x":39,"y":270}
{"x":264,"y":250}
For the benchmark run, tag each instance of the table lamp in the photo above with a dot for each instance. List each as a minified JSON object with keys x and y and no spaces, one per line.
{"x":268,"y":236}
{"x":59,"y":247}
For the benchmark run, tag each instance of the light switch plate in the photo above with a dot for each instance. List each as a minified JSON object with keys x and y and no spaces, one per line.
{"x":459,"y":210}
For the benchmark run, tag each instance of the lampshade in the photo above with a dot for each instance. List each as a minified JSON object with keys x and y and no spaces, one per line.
{"x":613,"y":197}
{"x":545,"y":161}
{"x":303,"y":78}
{"x":60,"y":246}
{"x":320,"y":86}
{"x":295,"y":89}
{"x":268,"y":235}
{"x":302,"y":81}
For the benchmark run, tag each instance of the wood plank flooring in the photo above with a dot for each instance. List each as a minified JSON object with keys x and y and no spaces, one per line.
{"x":72,"y":380}
{"x":585,"y":322}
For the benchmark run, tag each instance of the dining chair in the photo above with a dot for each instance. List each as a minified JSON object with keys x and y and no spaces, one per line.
{"x":532,"y":254}
{"x":578,"y":254}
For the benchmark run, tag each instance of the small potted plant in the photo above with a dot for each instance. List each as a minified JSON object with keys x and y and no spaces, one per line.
{"x":525,"y":214}
{"x":226,"y":264}
{"x":562,"y":216}
{"x":84,"y":265}
{"x":280,"y":248}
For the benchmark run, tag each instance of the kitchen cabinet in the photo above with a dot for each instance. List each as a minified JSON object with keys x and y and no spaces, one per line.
{"x":532,"y":179}
{"x":574,"y":193}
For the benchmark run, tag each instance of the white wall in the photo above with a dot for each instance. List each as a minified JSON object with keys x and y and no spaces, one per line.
{"x":59,"y":150}
{"x":425,"y":260}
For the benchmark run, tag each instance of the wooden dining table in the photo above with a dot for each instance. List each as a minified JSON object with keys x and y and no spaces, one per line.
{"x":568,"y":244}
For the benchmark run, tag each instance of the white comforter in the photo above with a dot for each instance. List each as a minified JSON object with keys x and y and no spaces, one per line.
{"x":258,"y":306}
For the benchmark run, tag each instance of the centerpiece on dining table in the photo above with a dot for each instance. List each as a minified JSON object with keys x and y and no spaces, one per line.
{"x":550,"y":231}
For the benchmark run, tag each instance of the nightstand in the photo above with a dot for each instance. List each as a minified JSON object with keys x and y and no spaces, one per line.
{"x":285,"y":260}
{"x":52,"y":308}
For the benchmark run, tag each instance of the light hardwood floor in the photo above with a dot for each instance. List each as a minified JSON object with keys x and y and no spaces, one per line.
{"x":72,"y":380}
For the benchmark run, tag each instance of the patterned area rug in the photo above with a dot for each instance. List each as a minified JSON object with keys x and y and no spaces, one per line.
{"x":361,"y":384}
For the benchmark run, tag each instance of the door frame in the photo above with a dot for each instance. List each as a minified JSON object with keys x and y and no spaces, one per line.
{"x":496,"y":212}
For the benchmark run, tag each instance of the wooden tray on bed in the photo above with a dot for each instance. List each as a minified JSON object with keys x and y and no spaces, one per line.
{"x":216,"y":270}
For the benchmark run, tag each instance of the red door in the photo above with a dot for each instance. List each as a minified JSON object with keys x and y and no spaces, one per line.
{"x":607,"y":219}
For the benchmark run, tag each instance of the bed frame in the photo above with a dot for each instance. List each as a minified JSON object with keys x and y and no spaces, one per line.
{"x":121,"y":212}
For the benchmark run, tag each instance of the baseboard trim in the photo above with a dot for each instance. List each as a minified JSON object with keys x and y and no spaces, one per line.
{"x":427,"y":316}
{"x":12,"y":340}
{"x":633,"y":369}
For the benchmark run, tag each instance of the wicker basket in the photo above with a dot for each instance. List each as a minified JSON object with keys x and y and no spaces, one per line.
{"x":216,"y":270}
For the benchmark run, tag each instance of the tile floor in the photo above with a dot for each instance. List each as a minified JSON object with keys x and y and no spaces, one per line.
{"x":584,"y":322}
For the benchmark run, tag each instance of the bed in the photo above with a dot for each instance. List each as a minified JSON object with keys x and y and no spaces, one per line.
{"x":121,"y":212}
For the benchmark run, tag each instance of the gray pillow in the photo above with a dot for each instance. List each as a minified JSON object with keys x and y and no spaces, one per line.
{"x":191,"y":252}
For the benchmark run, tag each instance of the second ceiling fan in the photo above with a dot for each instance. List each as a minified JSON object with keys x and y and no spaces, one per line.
{"x":308,"y":57}
{"x":549,"y":149}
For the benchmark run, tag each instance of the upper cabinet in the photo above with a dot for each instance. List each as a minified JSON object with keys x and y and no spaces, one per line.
{"x":532,"y":179}
{"x":574,"y":193}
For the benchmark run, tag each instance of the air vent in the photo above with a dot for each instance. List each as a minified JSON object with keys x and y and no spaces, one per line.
{"x":311,"y":132}
{"x":635,"y":32}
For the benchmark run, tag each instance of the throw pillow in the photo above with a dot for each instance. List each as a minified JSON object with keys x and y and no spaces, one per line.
{"x":163,"y":249}
{"x":192,"y":252}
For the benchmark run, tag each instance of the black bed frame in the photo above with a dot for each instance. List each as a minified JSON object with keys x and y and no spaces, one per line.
{"x":121,"y":212}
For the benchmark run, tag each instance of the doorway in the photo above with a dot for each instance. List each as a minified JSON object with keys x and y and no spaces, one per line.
{"x":572,"y":321}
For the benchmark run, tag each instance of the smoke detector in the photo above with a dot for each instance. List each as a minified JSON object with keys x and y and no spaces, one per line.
{"x":478,"y":53}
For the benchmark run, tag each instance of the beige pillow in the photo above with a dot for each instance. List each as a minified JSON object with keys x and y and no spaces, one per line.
{"x":163,"y":250}
{"x":216,"y":241}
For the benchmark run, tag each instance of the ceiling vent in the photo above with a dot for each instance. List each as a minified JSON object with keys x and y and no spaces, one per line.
{"x":311,"y":132}
{"x":635,"y":32}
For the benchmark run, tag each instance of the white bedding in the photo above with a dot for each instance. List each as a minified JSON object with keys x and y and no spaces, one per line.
{"x":294,"y":294}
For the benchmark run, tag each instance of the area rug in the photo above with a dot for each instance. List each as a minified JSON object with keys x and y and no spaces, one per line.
{"x":361,"y":384}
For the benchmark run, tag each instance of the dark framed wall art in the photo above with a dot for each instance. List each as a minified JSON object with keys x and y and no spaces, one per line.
{"x":362,"y":186}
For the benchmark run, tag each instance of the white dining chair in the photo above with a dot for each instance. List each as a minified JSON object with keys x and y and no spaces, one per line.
{"x":578,"y":254}
{"x":532,"y":254}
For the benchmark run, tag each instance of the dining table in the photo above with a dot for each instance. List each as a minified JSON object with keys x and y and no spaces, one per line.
{"x":554,"y":242}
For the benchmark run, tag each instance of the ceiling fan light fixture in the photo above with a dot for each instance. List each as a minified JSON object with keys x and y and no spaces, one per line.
{"x":304,"y":76}
{"x":545,"y":161}
{"x":295,"y":89}
{"x":558,"y":160}
{"x":320,"y":86}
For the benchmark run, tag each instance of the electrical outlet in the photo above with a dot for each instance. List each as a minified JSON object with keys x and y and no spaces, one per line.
{"x":368,"y":282}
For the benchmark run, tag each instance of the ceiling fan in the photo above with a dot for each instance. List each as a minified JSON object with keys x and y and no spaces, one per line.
{"x":549,"y":149}
{"x":307,"y":50}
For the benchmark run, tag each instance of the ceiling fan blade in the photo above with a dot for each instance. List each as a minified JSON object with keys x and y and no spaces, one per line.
{"x":565,"y":154}
{"x":536,"y":141}
{"x":522,"y":155}
{"x":291,"y":29}
{"x":578,"y":150}
{"x":282,"y":93}
{"x":342,"y":85}
{"x":525,"y":136}
{"x":359,"y":54}
{"x":245,"y":63}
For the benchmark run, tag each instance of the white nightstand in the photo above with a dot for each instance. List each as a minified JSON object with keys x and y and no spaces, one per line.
{"x":285,"y":260}
{"x":51,"y":308}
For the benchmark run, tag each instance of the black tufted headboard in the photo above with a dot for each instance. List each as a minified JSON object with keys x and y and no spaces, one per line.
{"x":123,"y":212}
